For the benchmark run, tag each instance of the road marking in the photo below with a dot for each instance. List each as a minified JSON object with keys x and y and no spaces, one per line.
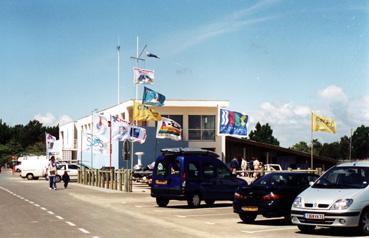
{"x":84,"y":231}
{"x":209,"y":223}
{"x":271,"y":229}
{"x":70,"y":223}
{"x":50,"y":212}
{"x":42,"y":208}
{"x":181,"y":216}
{"x":59,"y":217}
{"x":204,"y":214}
{"x":36,"y":205}
{"x":31,"y":202}
{"x":95,"y":237}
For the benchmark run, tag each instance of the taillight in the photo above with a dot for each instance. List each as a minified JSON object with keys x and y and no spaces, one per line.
{"x":271,"y":197}
{"x":238,"y":196}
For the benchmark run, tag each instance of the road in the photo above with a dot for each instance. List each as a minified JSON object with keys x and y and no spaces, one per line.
{"x":30,"y":209}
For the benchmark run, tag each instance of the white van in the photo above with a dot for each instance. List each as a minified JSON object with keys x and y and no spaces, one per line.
{"x":339,"y":198}
{"x":34,"y":167}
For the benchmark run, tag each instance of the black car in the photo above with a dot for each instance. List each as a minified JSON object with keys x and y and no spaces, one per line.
{"x":271,"y":195}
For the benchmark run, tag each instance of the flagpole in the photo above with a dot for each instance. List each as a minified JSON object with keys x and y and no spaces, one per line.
{"x":110,"y":143}
{"x":118,"y":52}
{"x":312,"y":144}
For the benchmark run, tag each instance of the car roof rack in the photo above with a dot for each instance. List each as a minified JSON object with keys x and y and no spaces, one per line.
{"x":187,"y":151}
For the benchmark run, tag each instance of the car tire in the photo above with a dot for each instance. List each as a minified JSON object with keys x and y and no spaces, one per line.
{"x":247,"y":217}
{"x":306,"y":229}
{"x":194,"y":201}
{"x":209,"y":202}
{"x":162,"y":202}
{"x":29,"y":176}
{"x":57,"y":178}
{"x":363,"y":228}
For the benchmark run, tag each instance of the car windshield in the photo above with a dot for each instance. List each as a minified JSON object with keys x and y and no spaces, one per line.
{"x":170,"y":165}
{"x":344,"y":177}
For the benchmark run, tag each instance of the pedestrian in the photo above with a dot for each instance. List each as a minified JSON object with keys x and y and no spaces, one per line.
{"x":256,"y":168}
{"x":251,"y":167}
{"x":65,"y":179}
{"x":244,"y":166}
{"x":234,"y":165}
{"x":51,"y":170}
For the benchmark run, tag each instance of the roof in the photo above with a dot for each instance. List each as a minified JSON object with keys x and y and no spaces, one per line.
{"x":188,"y":151}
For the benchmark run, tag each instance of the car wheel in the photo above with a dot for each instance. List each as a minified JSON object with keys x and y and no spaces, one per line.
{"x":29,"y":176}
{"x":162,"y":202}
{"x":364,"y":223}
{"x":194,"y":201}
{"x":306,"y":229}
{"x":248,"y":217}
{"x":209,"y":202}
{"x":57,"y":178}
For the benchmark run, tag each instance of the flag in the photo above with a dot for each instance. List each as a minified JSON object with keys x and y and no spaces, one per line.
{"x":167,"y":128}
{"x":138,"y":134}
{"x":148,"y":54}
{"x":50,"y":144}
{"x":120,"y":130}
{"x":153,"y":98}
{"x":320,"y":123}
{"x":145,"y":76}
{"x":95,"y":143}
{"x":143,"y":113}
{"x":232,"y":123}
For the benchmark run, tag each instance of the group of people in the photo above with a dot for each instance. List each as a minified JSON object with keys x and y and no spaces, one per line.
{"x":51,"y":171}
{"x":252,"y":168}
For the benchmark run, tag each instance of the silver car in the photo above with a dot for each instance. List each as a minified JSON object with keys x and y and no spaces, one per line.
{"x":339,"y":198}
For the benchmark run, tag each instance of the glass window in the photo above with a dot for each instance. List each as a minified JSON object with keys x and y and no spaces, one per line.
{"x":201,"y":127}
{"x":175,"y":167}
{"x":193,"y":170}
{"x":223,"y":171}
{"x":209,"y":171}
{"x":161,"y":169}
{"x":73,"y":166}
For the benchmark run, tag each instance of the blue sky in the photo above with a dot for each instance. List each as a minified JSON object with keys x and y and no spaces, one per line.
{"x":274,"y":60}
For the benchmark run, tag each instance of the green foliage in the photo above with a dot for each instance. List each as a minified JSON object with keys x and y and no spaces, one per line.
{"x":302,"y":146}
{"x":20,"y":139}
{"x":360,"y":143}
{"x":263,"y":133}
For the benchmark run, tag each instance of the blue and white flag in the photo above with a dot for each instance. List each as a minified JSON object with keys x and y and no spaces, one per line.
{"x":153,"y":98}
{"x":232,"y":123}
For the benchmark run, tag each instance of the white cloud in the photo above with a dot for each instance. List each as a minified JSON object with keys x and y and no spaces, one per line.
{"x":333,"y":93}
{"x":50,"y":120}
{"x":358,"y":111}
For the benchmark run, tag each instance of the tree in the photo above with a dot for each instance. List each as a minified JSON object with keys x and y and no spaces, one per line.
{"x":360,"y":143}
{"x":302,"y":146}
{"x":345,"y":147}
{"x":263,"y":133}
{"x":332,"y":150}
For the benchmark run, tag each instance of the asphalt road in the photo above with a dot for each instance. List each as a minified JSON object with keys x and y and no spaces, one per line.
{"x":30,"y":209}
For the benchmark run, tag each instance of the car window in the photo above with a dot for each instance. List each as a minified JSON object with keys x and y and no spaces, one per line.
{"x":193,"y":170}
{"x":175,"y":167}
{"x":280,"y":179}
{"x":161,"y":169}
{"x":73,"y":166}
{"x":223,"y":171}
{"x":61,"y":167}
{"x":209,"y":170}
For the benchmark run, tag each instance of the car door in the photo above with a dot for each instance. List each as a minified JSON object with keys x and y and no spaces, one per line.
{"x":73,"y":171}
{"x":208,"y":184}
{"x":226,"y":182}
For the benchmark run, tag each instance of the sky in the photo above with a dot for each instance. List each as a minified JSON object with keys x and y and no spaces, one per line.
{"x":275,"y":60}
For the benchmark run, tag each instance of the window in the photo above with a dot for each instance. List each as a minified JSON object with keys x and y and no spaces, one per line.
{"x":201,"y":127}
{"x":223,"y":171}
{"x":193,"y":170}
{"x":161,"y":169}
{"x":209,"y":170}
{"x":73,"y":166}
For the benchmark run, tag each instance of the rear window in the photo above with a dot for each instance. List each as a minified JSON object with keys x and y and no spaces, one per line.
{"x":168,"y":166}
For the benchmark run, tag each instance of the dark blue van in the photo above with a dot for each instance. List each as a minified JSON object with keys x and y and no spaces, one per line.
{"x":192,"y":175}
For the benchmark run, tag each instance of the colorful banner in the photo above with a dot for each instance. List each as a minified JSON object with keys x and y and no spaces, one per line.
{"x":50,"y":144}
{"x":320,"y":123}
{"x":232,"y":123}
{"x":97,"y":143}
{"x":145,"y":76}
{"x":122,"y":131}
{"x":143,"y":113}
{"x":168,"y":129}
{"x":153,"y":98}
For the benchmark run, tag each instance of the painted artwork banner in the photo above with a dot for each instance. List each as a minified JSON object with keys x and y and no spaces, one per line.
{"x":232,"y":123}
{"x":168,"y":129}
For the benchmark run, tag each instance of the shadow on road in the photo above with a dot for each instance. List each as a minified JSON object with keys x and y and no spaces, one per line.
{"x":268,"y":222}
{"x":185,"y":206}
{"x":333,"y":232}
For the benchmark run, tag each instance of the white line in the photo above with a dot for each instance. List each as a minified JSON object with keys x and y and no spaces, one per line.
{"x":70,"y":223}
{"x":180,"y":216}
{"x":268,"y":230}
{"x":84,"y":231}
{"x":95,"y":237}
{"x":36,"y":205}
{"x":31,"y":202}
{"x":50,"y":212}
{"x":200,"y":215}
{"x":59,"y":217}
{"x":42,"y":208}
{"x":209,"y":223}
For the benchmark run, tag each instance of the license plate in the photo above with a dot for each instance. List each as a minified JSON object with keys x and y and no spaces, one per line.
{"x":161,"y":181}
{"x":250,"y":209}
{"x":314,"y":216}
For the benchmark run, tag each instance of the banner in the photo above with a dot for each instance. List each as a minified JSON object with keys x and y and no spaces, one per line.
{"x":153,"y":98}
{"x":122,"y":131}
{"x":50,"y":144}
{"x":232,"y":123}
{"x":320,"y":123}
{"x":145,"y":76}
{"x":143,"y":113}
{"x":168,"y":129}
{"x":97,"y":143}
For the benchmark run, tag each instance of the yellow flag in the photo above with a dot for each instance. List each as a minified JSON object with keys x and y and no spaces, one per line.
{"x":320,"y":123}
{"x":143,"y":113}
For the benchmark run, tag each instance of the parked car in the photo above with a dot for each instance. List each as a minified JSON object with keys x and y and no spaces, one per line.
{"x":339,"y":198}
{"x":72,"y":170}
{"x":193,"y":175}
{"x":270,"y":195}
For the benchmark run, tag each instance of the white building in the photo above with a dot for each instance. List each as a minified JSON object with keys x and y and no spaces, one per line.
{"x":199,"y":120}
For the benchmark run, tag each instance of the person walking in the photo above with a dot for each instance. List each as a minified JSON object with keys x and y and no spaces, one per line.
{"x":51,"y":170}
{"x":65,"y":179}
{"x":234,"y":165}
